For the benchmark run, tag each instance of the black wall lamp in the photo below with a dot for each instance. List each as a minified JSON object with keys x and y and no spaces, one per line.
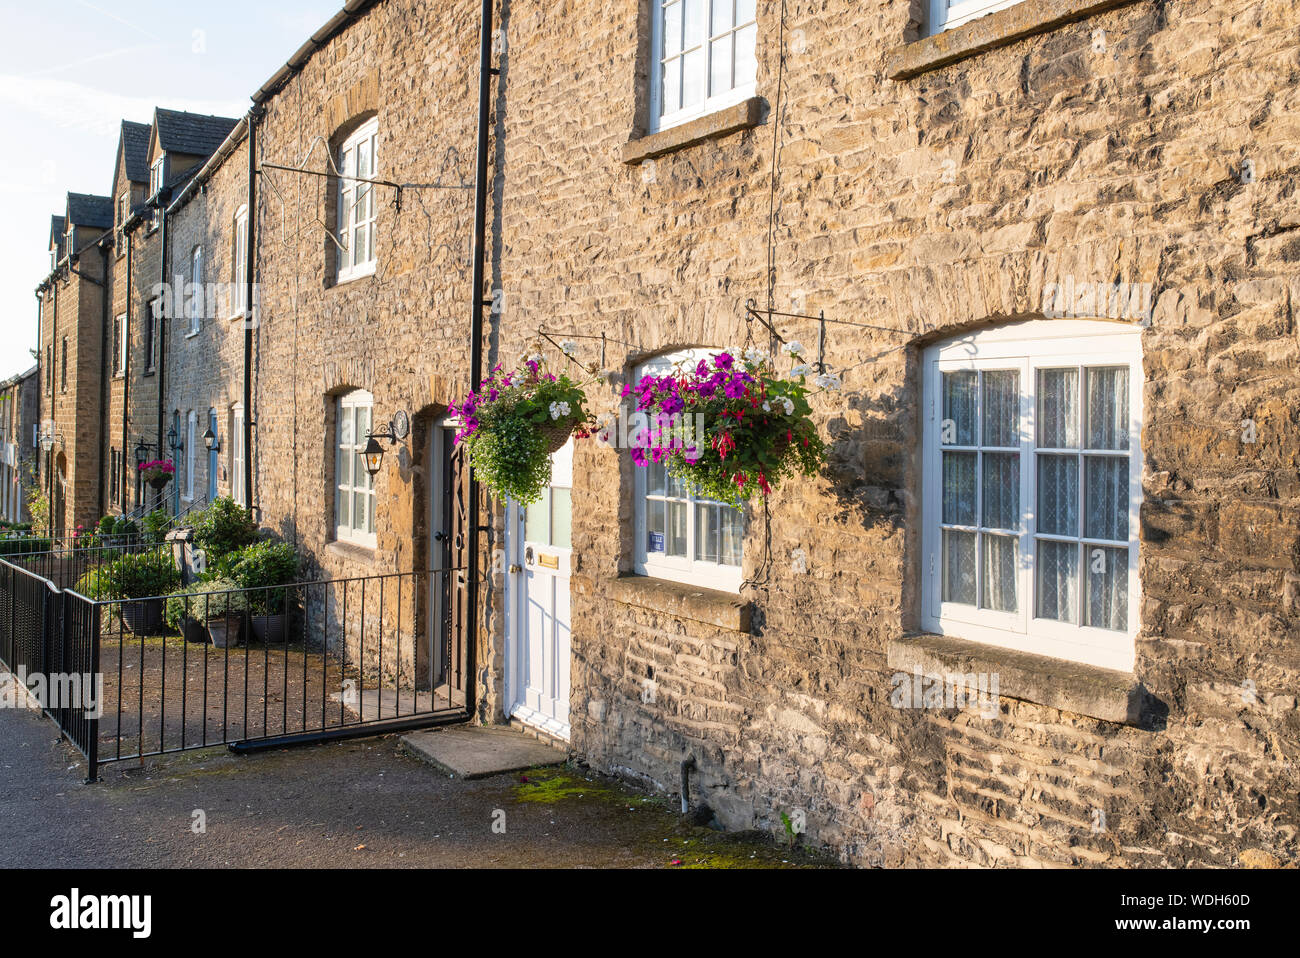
{"x":174,"y":441}
{"x":399,"y":427}
{"x":210,"y":440}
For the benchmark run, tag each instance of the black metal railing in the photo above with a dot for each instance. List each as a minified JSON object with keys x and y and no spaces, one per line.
{"x":51,"y":645}
{"x":68,"y":567}
{"x":259,"y":667}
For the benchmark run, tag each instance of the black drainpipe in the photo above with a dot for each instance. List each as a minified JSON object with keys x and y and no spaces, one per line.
{"x":478,"y":303}
{"x":160,"y":322}
{"x":250,"y":262}
{"x":54,"y":399}
{"x":106,"y":382}
{"x":126,"y":373}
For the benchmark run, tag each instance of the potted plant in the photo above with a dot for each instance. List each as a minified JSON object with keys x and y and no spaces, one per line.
{"x":158,"y":473}
{"x":748,"y":429}
{"x":515,"y":421}
{"x":213,"y":610}
{"x":265,"y":568}
{"x":139,"y":580}
{"x":222,"y":529}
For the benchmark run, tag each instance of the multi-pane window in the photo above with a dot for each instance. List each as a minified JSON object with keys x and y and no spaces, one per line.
{"x":358,"y":162}
{"x":150,"y":327}
{"x":946,"y":14}
{"x":679,"y":536}
{"x":237,"y":491}
{"x":239,"y":273}
{"x":195,"y":304}
{"x":354,"y":490}
{"x":123,"y":211}
{"x":63,"y":375}
{"x":1032,"y":485}
{"x":155,"y":185}
{"x":119,"y":344}
{"x":704,"y":57}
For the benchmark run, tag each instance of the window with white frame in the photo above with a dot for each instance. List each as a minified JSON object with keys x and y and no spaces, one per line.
{"x":196,"y":304}
{"x":946,"y":14}
{"x":123,"y":211}
{"x":191,"y":437}
{"x":119,"y":345}
{"x":237,"y":491}
{"x":354,"y":490}
{"x":239,"y":273}
{"x":681,"y":537}
{"x":156,"y":184}
{"x":358,"y":161}
{"x":704,"y":58}
{"x":1032,"y":482}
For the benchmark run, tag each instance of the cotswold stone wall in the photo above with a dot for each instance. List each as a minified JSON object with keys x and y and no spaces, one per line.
{"x":402,"y":334}
{"x":205,"y":369}
{"x":1155,"y":143}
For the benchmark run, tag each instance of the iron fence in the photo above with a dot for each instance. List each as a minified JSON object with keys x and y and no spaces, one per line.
{"x":256,"y":668}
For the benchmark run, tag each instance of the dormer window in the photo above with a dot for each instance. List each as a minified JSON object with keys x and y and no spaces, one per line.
{"x":156,"y":176}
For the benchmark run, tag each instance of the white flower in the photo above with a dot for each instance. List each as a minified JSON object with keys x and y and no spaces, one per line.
{"x":535,"y":358}
{"x":755,"y":356}
{"x":789,"y":405}
{"x":828,"y":381}
{"x":569,"y":347}
{"x":559,"y":410}
{"x":803,"y":369}
{"x":794,"y":349}
{"x":767,"y":407}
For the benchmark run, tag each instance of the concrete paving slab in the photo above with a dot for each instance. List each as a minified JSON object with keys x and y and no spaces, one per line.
{"x":477,"y":751}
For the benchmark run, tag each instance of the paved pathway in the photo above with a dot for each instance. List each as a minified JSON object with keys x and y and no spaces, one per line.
{"x":360,"y":803}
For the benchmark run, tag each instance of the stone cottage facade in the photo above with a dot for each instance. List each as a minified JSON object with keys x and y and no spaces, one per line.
{"x":20,"y":404}
{"x":1054,"y":243}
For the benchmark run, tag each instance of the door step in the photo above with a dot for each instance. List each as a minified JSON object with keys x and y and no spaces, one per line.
{"x":478,"y":751}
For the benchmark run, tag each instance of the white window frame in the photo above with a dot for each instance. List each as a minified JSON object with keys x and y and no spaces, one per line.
{"x":239,"y":271}
{"x":946,"y":14}
{"x":348,"y":189}
{"x":710,"y":101}
{"x":237,"y":491}
{"x":156,"y":175}
{"x":686,"y":569}
{"x":191,"y":440}
{"x":123,"y":213}
{"x":196,"y":304}
{"x":1026,"y":347}
{"x":347,"y":405}
{"x":121,"y":346}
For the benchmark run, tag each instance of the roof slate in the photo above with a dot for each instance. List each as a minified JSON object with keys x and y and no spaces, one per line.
{"x":191,"y":133}
{"x":135,"y":150}
{"x":85,"y":209}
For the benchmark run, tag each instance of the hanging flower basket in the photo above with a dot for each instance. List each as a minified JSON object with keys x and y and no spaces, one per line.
{"x":730,"y":426}
{"x":158,"y":473}
{"x":515,"y":422}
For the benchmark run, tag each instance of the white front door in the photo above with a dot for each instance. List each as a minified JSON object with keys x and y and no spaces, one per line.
{"x":540,"y":551}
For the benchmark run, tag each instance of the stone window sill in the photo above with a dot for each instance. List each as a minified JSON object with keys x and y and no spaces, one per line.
{"x":721,"y":609}
{"x":351,"y":552}
{"x":1086,"y":690}
{"x":742,"y":116}
{"x":988,"y":32}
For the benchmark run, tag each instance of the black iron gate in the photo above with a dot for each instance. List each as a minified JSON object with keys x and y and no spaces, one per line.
{"x":248,"y":669}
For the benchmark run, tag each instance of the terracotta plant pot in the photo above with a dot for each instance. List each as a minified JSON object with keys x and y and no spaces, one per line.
{"x":194,"y":630}
{"x":226,"y":631}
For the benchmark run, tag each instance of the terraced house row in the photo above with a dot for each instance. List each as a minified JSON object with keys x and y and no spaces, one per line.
{"x":1055,"y":244}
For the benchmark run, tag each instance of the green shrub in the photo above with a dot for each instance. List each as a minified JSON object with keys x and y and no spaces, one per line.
{"x":92,"y":585}
{"x":261,"y":566}
{"x":221,"y":530}
{"x":140,"y":575}
{"x":204,"y":601}
{"x":156,"y":525}
{"x":25,"y":545}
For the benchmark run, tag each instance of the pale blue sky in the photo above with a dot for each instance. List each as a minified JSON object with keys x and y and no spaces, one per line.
{"x":72,"y":70}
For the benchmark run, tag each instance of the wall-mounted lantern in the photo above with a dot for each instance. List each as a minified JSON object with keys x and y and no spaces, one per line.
{"x":210,"y":440}
{"x":399,"y":427}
